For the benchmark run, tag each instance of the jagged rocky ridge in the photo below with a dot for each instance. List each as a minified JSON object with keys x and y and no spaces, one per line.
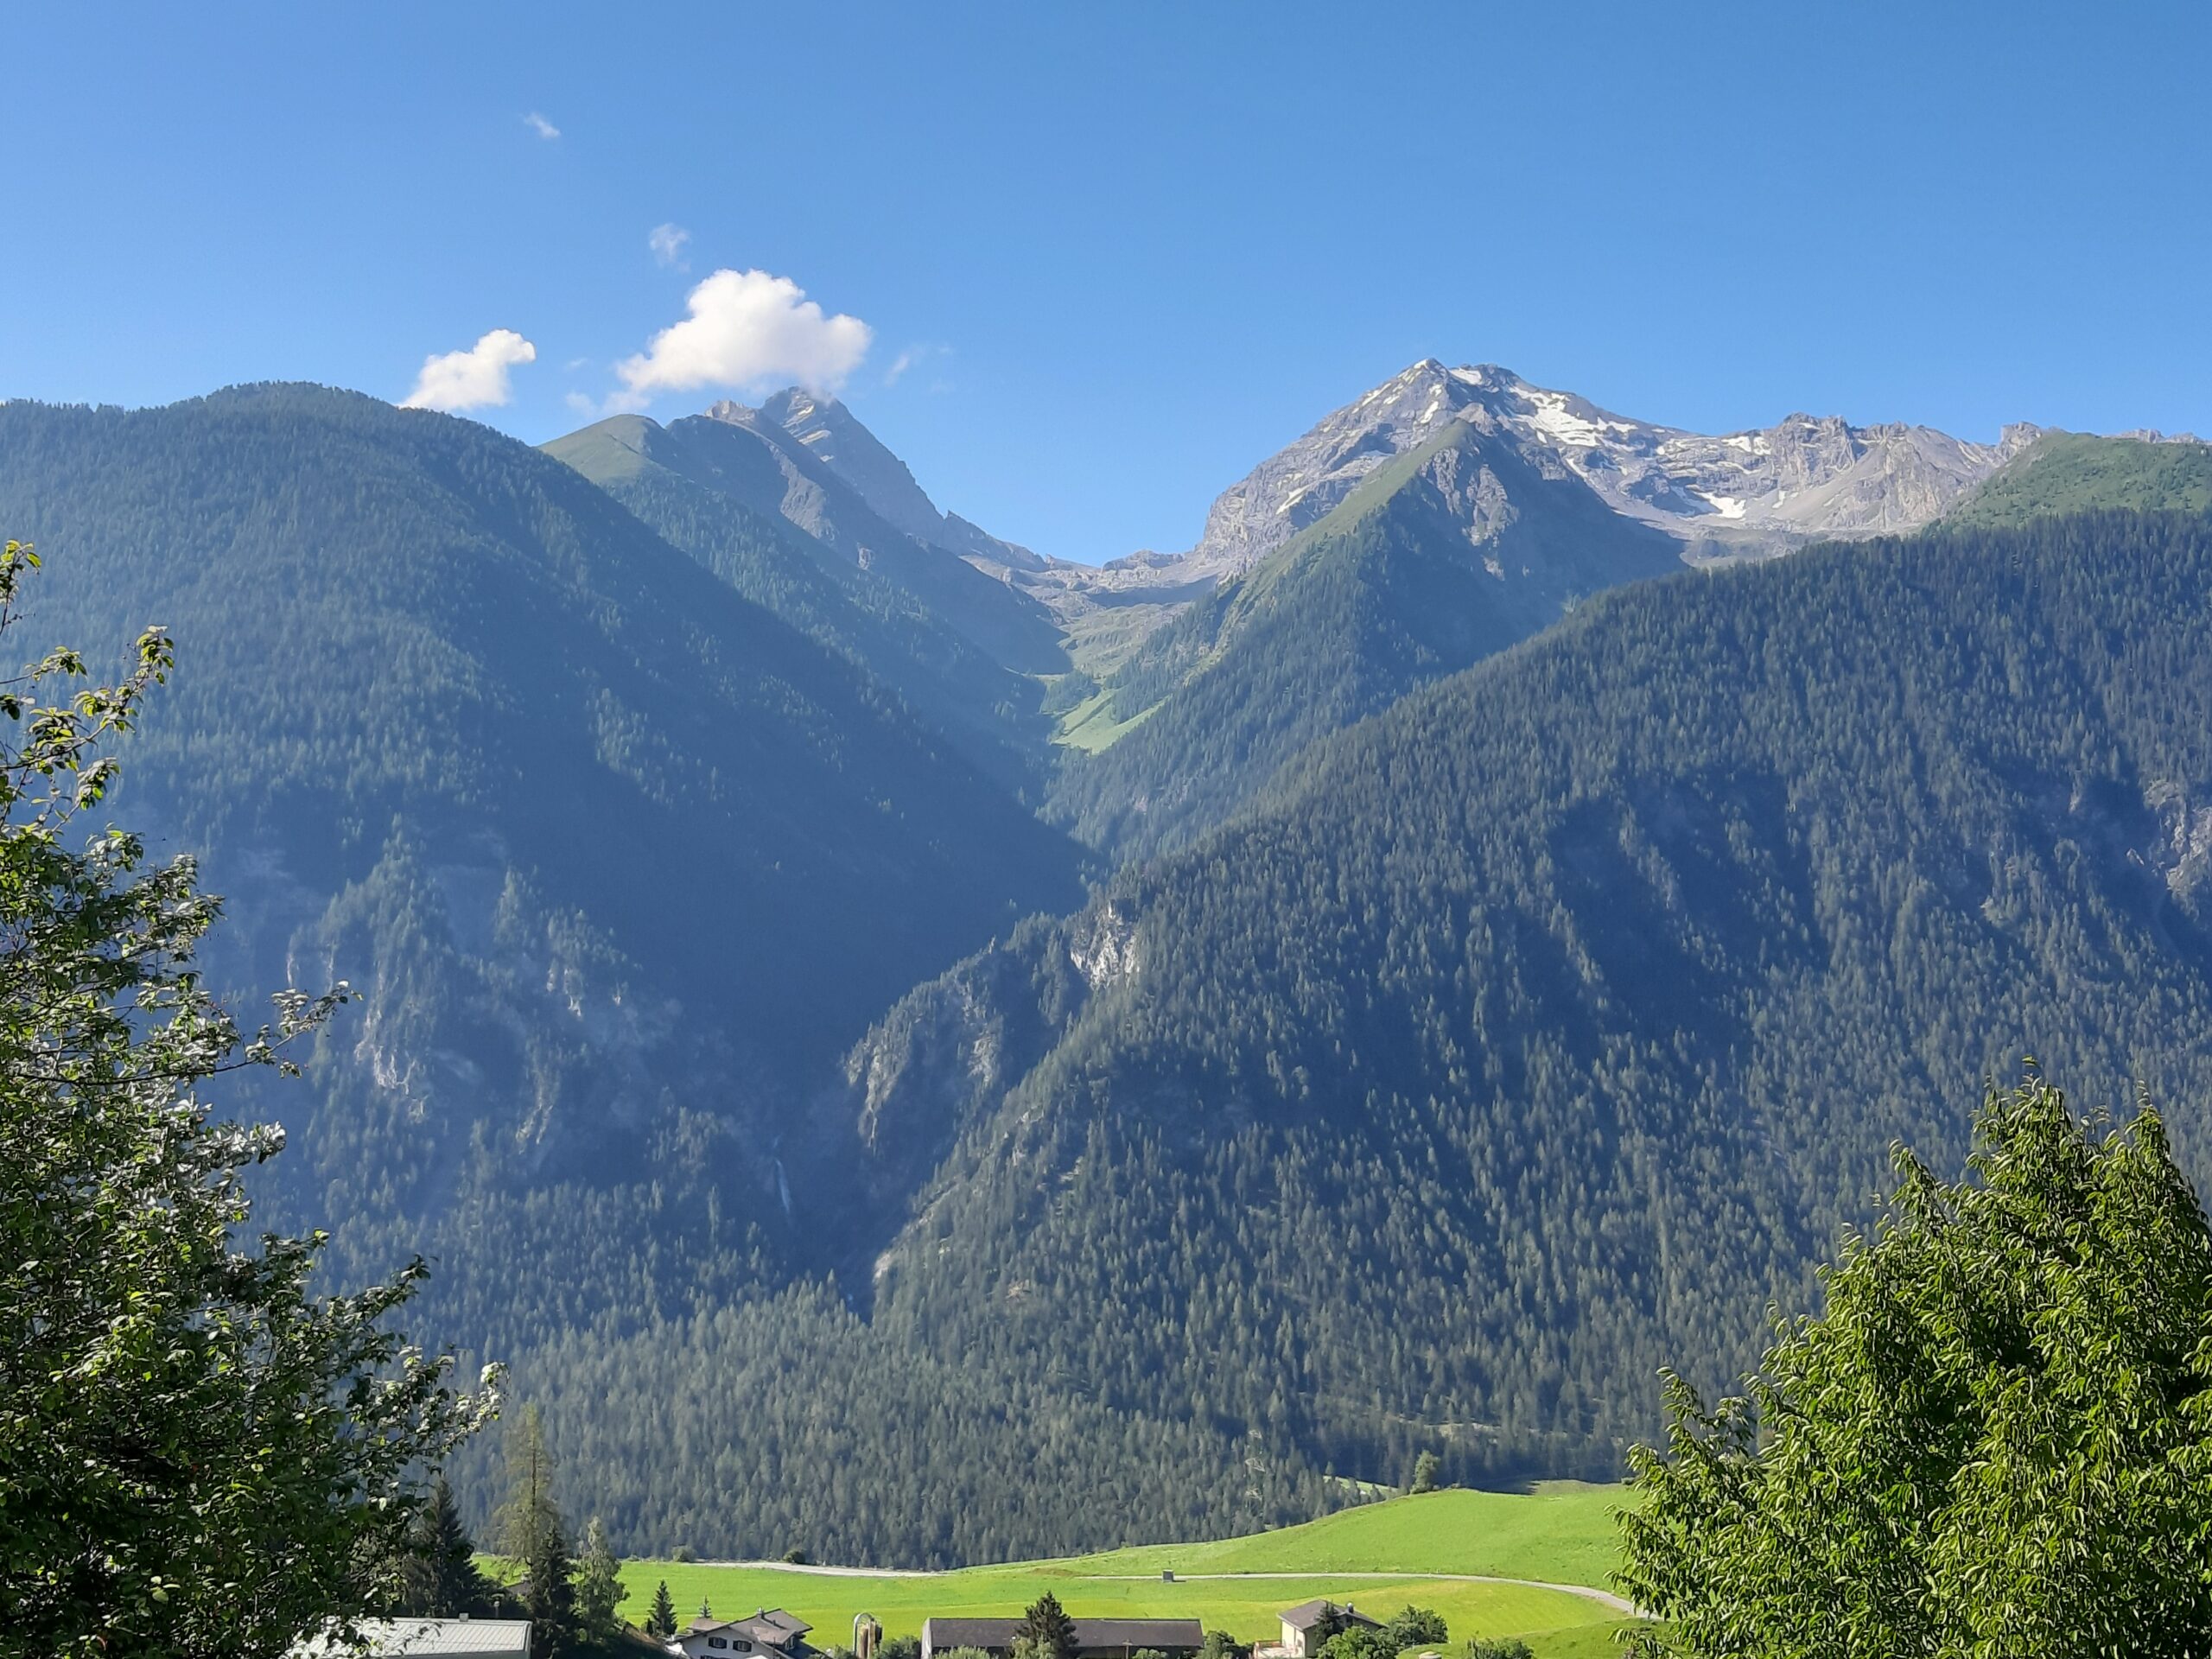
{"x":1755,"y":492}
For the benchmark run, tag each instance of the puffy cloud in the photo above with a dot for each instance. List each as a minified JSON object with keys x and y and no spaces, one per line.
{"x":747,"y":328}
{"x":538,"y":124}
{"x":473,"y":378}
{"x":667,"y":243}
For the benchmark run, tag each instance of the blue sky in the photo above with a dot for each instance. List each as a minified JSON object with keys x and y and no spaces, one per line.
{"x":1124,"y":251}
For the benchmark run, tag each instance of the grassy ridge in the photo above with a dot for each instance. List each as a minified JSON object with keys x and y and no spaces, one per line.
{"x":2075,"y":472}
{"x":1563,"y":1533}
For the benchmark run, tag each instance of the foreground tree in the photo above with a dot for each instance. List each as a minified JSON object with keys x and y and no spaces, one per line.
{"x":1997,"y":1438}
{"x":196,"y":1455}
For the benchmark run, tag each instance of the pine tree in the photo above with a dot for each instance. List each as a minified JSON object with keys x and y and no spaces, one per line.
{"x":599,"y":1591}
{"x":1424,"y":1473}
{"x":440,"y":1579}
{"x":662,"y":1620}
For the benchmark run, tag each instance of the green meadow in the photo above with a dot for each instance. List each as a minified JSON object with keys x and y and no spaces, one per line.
{"x":1562,"y":1531}
{"x":1380,"y":1557}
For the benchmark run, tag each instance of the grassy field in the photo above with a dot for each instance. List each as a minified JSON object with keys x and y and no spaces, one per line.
{"x":1563,"y":1531}
{"x":1559,"y":1533}
{"x":1091,"y":726}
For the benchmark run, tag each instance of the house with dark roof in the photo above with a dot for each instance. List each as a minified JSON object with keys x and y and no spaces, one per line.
{"x":769,"y":1631}
{"x":1307,"y":1627}
{"x":1095,"y":1639}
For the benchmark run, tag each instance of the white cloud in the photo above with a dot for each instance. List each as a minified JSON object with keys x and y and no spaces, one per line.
{"x":912,"y":357}
{"x":538,"y":124}
{"x":582,"y":404}
{"x":747,"y":328}
{"x":667,"y":243}
{"x":473,"y":378}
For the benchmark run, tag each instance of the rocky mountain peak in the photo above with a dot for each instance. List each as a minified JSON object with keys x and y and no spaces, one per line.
{"x":831,"y":436}
{"x":1753,"y":491}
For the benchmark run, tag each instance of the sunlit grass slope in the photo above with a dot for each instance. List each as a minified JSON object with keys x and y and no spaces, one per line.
{"x":1245,"y":1607}
{"x":1561,"y":1533}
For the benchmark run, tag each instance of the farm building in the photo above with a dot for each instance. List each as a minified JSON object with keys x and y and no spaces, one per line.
{"x":1095,"y":1639}
{"x":1310,"y":1623}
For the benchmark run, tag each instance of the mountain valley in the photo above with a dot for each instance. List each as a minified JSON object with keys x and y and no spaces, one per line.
{"x":848,"y":997}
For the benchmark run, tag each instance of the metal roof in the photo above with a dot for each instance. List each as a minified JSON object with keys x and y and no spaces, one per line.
{"x":447,"y":1638}
{"x":1308,"y":1614}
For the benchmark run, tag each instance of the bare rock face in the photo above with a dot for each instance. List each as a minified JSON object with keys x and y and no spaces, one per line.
{"x":827,"y":431}
{"x":1743,"y":493}
{"x":823,"y":428}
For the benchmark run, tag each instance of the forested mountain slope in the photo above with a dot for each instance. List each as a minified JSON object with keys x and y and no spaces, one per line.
{"x":988,"y":709}
{"x":1541,"y":1030}
{"x":1453,"y":551}
{"x":621,"y":862}
{"x":756,"y":461}
{"x":2079,"y":472}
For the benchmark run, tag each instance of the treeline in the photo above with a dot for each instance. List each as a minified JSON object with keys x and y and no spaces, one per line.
{"x":786,"y":1422}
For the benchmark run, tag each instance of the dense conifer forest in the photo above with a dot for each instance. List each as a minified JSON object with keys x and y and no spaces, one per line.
{"x":1540,"y":1031}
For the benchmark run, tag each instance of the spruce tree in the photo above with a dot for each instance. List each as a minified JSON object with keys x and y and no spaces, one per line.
{"x":662,"y":1620}
{"x":531,"y":1531}
{"x":550,"y":1595}
{"x":1045,"y":1631}
{"x":441,"y":1578}
{"x":599,"y":1591}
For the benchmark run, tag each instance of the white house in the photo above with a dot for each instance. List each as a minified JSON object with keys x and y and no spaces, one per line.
{"x":1300,"y":1623}
{"x":769,"y":1630}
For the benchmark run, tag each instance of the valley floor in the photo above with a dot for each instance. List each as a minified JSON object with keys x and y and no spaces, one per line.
{"x":1492,"y":1564}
